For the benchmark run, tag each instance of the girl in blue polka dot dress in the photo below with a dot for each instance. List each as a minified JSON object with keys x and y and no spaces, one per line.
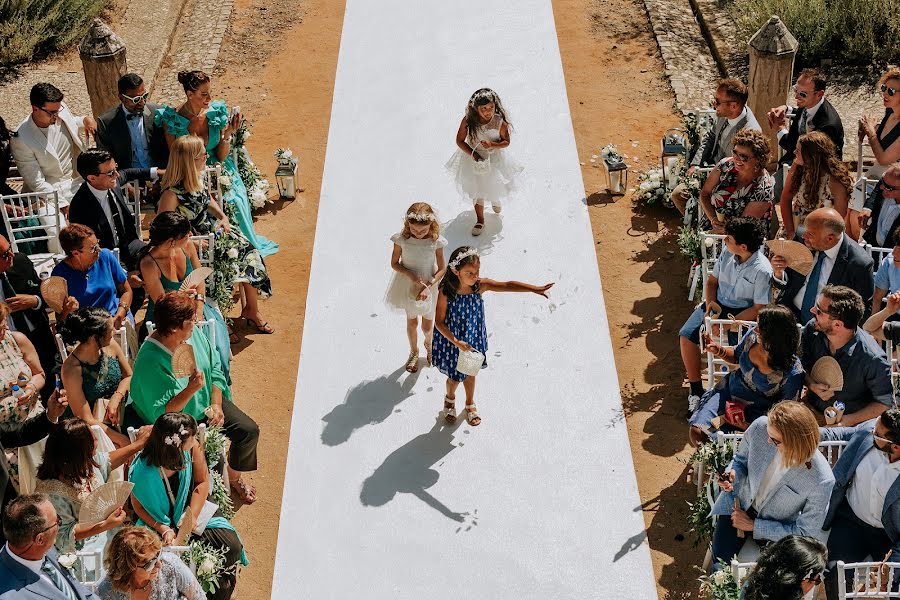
{"x":459,"y":323}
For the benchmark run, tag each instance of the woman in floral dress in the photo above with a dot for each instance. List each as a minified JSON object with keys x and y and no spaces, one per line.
{"x":184,"y":192}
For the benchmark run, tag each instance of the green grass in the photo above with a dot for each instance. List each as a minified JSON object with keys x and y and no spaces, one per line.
{"x":860,"y":35}
{"x":31,"y":29}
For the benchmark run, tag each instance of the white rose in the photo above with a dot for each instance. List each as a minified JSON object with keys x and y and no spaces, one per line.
{"x":709,"y":242}
{"x":67,"y":560}
{"x":645,"y":186}
{"x":719,"y":577}
{"x":232,"y":253}
{"x":288,"y":153}
{"x":207,"y":567}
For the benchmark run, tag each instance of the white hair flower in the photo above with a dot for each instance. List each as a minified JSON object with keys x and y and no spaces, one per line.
{"x":462,"y":256}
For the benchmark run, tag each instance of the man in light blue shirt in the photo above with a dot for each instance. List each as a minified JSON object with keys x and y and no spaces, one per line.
{"x":128,"y":131}
{"x":739,"y":285}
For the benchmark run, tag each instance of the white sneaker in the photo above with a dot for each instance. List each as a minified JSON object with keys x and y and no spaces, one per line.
{"x":693,"y":402}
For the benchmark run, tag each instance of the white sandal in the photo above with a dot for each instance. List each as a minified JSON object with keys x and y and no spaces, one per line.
{"x":477,"y":229}
{"x":472,"y":417}
{"x":449,"y":409}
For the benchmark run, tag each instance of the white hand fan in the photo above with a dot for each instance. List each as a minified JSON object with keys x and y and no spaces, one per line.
{"x":183,"y":363}
{"x":104,"y":501}
{"x":185,"y":527}
{"x":196,"y":277}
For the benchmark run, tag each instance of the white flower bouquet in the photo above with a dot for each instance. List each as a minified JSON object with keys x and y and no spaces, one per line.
{"x":286,"y":156}
{"x":610,"y":154}
{"x":651,"y":189}
{"x":210,"y":564}
{"x":720,"y":585}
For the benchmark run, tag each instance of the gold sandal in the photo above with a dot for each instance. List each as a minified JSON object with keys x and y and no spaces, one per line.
{"x":472,"y":417}
{"x":412,"y":363}
{"x":449,"y":409}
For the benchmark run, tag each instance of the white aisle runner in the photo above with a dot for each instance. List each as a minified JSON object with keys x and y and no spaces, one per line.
{"x":381,"y":501}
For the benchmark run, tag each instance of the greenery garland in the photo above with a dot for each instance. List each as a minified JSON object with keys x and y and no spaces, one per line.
{"x":257,"y":186}
{"x":221,"y":495}
{"x":715,"y":458}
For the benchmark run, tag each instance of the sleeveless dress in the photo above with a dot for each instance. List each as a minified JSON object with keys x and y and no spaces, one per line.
{"x":101,"y":379}
{"x":858,"y":198}
{"x":210,"y":313}
{"x":491,"y":179}
{"x":418,"y":256}
{"x":217,"y":116}
{"x":23,"y":462}
{"x":194,"y":205}
{"x":465,"y":319}
{"x":800,"y":207}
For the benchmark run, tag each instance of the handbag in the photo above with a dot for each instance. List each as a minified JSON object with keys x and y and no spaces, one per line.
{"x":734,"y":413}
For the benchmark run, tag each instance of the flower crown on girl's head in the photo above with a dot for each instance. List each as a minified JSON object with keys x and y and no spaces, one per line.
{"x":485,"y":94}
{"x":175,"y":439}
{"x":420,"y":217}
{"x":454,"y":264}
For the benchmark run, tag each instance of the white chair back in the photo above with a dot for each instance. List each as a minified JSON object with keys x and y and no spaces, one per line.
{"x":211,"y":176}
{"x":89,"y":568}
{"x":832,"y":450}
{"x":868,"y":580}
{"x":878,"y":253}
{"x":33,"y":205}
{"x":208,"y":328}
{"x":61,"y":347}
{"x":717,"y":368}
{"x":711,"y":246}
{"x":740,"y":570}
{"x":180,"y":552}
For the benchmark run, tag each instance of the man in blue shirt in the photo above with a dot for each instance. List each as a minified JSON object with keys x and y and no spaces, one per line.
{"x":739,"y":285}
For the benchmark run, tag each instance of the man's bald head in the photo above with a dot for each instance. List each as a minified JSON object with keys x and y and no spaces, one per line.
{"x":828,"y":218}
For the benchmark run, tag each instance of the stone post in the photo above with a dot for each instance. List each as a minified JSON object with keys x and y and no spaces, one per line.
{"x":103,"y":57}
{"x":772,"y":53}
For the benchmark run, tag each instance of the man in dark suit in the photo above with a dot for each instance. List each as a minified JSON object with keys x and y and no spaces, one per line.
{"x":15,"y":435}
{"x":814,"y":113}
{"x":128,"y":132}
{"x":881,"y":212}
{"x":837,"y":260}
{"x":29,"y":565}
{"x":20,"y":289}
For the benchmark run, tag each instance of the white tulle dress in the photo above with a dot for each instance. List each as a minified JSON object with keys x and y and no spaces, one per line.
{"x":488,"y":180}
{"x":419,"y":257}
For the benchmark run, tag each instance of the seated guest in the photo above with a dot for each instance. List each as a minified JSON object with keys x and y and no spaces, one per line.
{"x":864,"y":514}
{"x":739,"y":285}
{"x":170,"y":476}
{"x":128,"y":131}
{"x":72,"y":469}
{"x":204,"y":395}
{"x":19,"y":366}
{"x":838,"y":260}
{"x":779,"y":483}
{"x":788,"y":569}
{"x":813,"y":113}
{"x":835,"y":332}
{"x":817,"y":179}
{"x":16,"y":435}
{"x":887,"y":278}
{"x":768,"y":372}
{"x":184,"y":192}
{"x":138,"y":568}
{"x":881,"y":214}
{"x":732,"y":115}
{"x":739,"y":186}
{"x":6,"y":161}
{"x":96,"y":372}
{"x":29,"y":565}
{"x":169,"y":258}
{"x":882,"y":137}
{"x":47,"y":144}
{"x":94,"y":276}
{"x":21,"y":290}
{"x":101,"y":205}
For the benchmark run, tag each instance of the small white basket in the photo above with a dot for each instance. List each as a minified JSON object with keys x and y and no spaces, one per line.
{"x":421,"y":308}
{"x":481,"y":167}
{"x":470,"y":362}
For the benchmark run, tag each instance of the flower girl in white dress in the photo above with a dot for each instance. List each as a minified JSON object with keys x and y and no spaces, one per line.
{"x":481,"y":169}
{"x":418,"y":262}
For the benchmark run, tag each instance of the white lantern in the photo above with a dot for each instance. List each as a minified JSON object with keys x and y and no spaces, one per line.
{"x":286,"y":178}
{"x":616,"y":176}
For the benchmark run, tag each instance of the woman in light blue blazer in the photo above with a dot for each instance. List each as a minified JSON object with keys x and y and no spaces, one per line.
{"x":779,"y":483}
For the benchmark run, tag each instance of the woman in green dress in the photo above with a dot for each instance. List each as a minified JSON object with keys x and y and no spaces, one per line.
{"x":165,"y":263}
{"x":209,"y":119}
{"x":204,"y":395}
{"x":184,"y":192}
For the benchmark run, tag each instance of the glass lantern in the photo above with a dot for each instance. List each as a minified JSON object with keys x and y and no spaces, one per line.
{"x":616,"y":175}
{"x":286,"y":178}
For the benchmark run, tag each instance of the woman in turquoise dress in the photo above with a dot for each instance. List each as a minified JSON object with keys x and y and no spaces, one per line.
{"x":235,"y":259}
{"x":165,"y":263}
{"x":210,"y":120}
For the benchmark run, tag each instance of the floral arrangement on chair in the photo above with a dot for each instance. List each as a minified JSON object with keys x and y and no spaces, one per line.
{"x":720,"y":585}
{"x":651,"y":189}
{"x":221,"y":495}
{"x":226,"y":265}
{"x":715,"y":459}
{"x":257,"y":185}
{"x":210,"y":564}
{"x":214,"y":444}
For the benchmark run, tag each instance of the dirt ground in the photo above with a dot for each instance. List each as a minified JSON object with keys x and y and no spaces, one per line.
{"x":279,"y":63}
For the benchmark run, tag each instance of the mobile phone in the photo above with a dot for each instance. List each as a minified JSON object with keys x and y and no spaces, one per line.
{"x":235,"y":110}
{"x":58,"y":383}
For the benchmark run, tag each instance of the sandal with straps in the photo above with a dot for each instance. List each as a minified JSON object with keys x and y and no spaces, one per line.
{"x":245,"y":490}
{"x":449,"y":409}
{"x":472,"y":417}
{"x":412,"y":363}
{"x":477,"y":228}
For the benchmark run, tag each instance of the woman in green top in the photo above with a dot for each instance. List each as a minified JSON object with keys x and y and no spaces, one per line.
{"x":165,"y":262}
{"x":204,"y":395}
{"x":170,"y":477}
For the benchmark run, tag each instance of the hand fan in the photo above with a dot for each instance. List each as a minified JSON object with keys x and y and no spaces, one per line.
{"x":183,"y":363}
{"x":196,"y":277}
{"x":55,"y":290}
{"x":827,"y":371}
{"x":104,"y":501}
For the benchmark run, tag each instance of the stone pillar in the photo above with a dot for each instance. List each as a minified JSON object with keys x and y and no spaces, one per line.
{"x":772,"y":53}
{"x":103,"y":57}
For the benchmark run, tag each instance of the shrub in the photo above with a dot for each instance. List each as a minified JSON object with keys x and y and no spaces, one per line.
{"x":33,"y":28}
{"x":851,"y":33}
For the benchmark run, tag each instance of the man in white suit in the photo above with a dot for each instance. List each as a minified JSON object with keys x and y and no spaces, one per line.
{"x":46,"y":145}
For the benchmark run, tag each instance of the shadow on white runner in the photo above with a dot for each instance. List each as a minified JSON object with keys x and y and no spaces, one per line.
{"x":382,"y":500}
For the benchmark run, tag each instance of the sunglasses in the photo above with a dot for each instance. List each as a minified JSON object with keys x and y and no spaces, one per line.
{"x":888,"y":90}
{"x":775,"y":442}
{"x":888,"y":187}
{"x":151,"y":564}
{"x":94,"y":249}
{"x":881,"y":439}
{"x":136,"y":99}
{"x":716,"y":102}
{"x":799,"y":93}
{"x":741,"y":156}
{"x":52,"y":113}
{"x":111,"y":173}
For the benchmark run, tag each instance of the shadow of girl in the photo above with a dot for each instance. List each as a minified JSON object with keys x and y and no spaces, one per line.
{"x":408,"y":470}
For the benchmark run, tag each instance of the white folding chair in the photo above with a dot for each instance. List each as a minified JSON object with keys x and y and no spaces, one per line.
{"x":180,"y":552}
{"x":211,"y":175}
{"x":61,"y":346}
{"x":867,"y":580}
{"x":717,"y":368}
{"x":832,"y":450}
{"x":207,"y":327}
{"x":40,"y":206}
{"x":878,"y":253}
{"x":138,"y":193}
{"x":89,"y":568}
{"x":740,"y":570}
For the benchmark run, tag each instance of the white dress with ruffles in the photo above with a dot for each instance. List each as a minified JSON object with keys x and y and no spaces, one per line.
{"x":419,"y":257}
{"x":493,"y":181}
